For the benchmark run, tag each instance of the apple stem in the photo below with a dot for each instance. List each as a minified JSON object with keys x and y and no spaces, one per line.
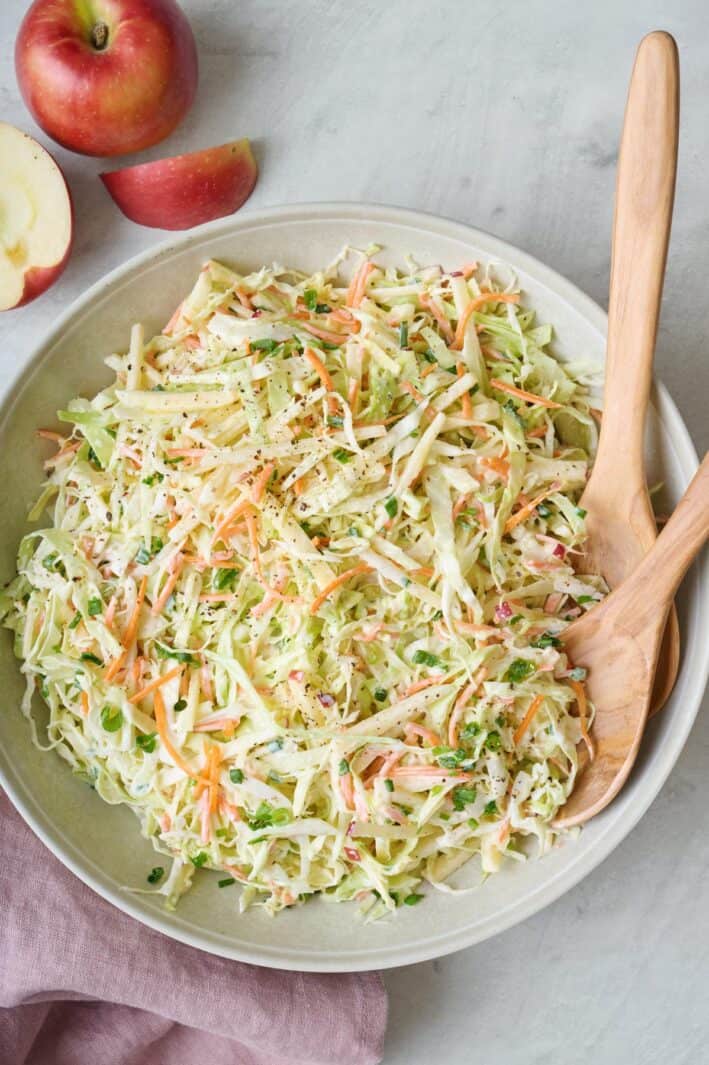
{"x":99,"y":36}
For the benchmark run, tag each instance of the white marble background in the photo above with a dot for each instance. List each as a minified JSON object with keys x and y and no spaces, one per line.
{"x":505,"y":115}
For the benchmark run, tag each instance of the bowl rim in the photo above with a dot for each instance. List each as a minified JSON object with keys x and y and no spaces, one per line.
{"x":566,"y":878}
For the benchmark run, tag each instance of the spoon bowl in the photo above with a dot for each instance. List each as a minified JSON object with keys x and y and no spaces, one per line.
{"x":618,"y":643}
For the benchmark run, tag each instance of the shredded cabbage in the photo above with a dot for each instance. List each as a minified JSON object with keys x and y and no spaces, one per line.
{"x":300,"y":601}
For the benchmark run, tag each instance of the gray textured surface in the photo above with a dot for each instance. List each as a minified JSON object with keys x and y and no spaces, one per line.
{"x":506,"y":116}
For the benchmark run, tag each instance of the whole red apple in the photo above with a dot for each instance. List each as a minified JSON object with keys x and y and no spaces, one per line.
{"x":106,"y":77}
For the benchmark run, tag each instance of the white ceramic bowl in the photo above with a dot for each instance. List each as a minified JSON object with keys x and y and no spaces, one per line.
{"x":101,"y":843}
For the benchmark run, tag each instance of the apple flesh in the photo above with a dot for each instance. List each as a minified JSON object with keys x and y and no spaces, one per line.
{"x":106,"y":77}
{"x":36,"y":220}
{"x":186,"y":190}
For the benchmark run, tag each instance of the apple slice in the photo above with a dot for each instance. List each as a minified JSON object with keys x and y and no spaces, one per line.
{"x":36,"y":218}
{"x":186,"y":190}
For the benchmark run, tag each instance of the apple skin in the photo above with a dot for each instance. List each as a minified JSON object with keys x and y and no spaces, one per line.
{"x":185,"y":190}
{"x":39,"y":278}
{"x":119,"y":98}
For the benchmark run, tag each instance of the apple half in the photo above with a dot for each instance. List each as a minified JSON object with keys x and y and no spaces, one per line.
{"x":185,"y":190}
{"x":36,"y":218}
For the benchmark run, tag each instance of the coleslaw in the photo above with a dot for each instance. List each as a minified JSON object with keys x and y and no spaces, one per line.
{"x":301,"y":598}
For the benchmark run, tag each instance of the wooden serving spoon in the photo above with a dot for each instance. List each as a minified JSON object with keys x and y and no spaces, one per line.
{"x":618,"y":642}
{"x":620,"y":522}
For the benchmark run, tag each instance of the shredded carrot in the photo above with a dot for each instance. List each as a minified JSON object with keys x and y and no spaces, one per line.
{"x":218,"y":724}
{"x":167,"y":331}
{"x":324,"y":334}
{"x":84,"y":702}
{"x":169,"y":586}
{"x":406,"y":386}
{"x":74,"y":445}
{"x":110,"y":614}
{"x":321,"y":370}
{"x":115,"y":666}
{"x":334,"y":585}
{"x":475,"y":305}
{"x":234,"y":511}
{"x":426,"y":734}
{"x":528,"y":717}
{"x":459,"y":506}
{"x":443,"y":324}
{"x":419,"y":685}
{"x":468,"y":269}
{"x":217,"y":597}
{"x":261,"y":482}
{"x":580,"y":693}
{"x":353,"y":394}
{"x":154,"y":685}
{"x":432,"y":772}
{"x":162,"y":727}
{"x":244,"y":299}
{"x":524,"y":512}
{"x":520,"y":393}
{"x":358,"y":284}
{"x":347,"y":790}
{"x":298,"y":486}
{"x":427,"y":370}
{"x":535,"y":434}
{"x":344,"y":316}
{"x":132,"y":626}
{"x":499,"y":465}
{"x":49,"y":434}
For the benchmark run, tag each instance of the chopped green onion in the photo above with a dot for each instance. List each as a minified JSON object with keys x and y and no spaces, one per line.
{"x":425,"y":658}
{"x":76,"y":620}
{"x":95,"y":607}
{"x":547,"y":640}
{"x":146,"y":742}
{"x":341,"y":455}
{"x":155,"y":875}
{"x":224,"y":578}
{"x":264,"y":345}
{"x":389,"y":784}
{"x":391,"y":507}
{"x":493,"y":741}
{"x":490,"y":808}
{"x":412,"y":899}
{"x":343,"y":768}
{"x":226,"y":881}
{"x":236,"y":776}
{"x":111,"y":718}
{"x":179,"y":706}
{"x":380,"y":694}
{"x":403,"y":335}
{"x":199,"y":859}
{"x":462,"y":796}
{"x":86,"y":656}
{"x":519,"y":671}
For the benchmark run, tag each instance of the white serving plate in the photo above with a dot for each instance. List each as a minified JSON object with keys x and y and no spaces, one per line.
{"x":101,"y":844}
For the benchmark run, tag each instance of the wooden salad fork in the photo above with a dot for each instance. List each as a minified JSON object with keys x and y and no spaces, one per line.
{"x":620,"y":522}
{"x":618,"y":642}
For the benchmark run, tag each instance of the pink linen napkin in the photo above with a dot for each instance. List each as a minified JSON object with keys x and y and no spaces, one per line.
{"x":81,"y":983}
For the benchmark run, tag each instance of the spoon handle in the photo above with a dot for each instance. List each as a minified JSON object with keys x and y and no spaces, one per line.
{"x":658,"y":576}
{"x":641,"y":229}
